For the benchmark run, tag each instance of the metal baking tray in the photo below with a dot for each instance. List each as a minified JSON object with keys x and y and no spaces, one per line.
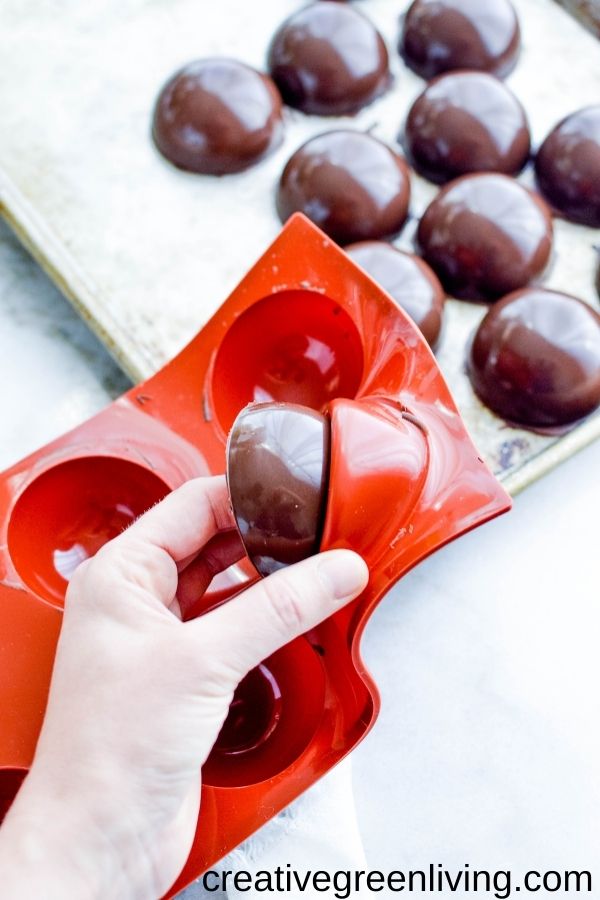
{"x":146,"y":253}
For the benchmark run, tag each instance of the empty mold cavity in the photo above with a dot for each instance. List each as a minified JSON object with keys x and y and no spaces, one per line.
{"x":11,"y":780}
{"x":69,"y":511}
{"x":296,"y":347}
{"x":274,"y":714}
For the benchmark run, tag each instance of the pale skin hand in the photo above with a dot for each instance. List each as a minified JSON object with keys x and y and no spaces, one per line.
{"x":138,"y":697}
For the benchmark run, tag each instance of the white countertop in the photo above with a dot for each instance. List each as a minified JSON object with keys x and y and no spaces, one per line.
{"x":487,"y":750}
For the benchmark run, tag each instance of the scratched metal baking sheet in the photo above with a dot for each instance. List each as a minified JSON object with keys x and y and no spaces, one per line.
{"x":146,"y":253}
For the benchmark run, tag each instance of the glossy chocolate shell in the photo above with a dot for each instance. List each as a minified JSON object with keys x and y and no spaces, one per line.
{"x":217,"y":117}
{"x":408,"y":280}
{"x":348,"y":183}
{"x":440,"y":35}
{"x":485,"y":235}
{"x":277,"y":470}
{"x":568,"y":167}
{"x":466,"y":122}
{"x":535,"y":358}
{"x":329,"y":59}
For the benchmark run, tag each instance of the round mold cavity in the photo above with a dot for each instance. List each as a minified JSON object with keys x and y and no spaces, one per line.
{"x":274,"y":714}
{"x":11,"y":780}
{"x":294,"y":347}
{"x":69,"y":511}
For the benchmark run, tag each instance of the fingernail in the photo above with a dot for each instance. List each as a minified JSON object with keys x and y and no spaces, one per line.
{"x":343,"y":573}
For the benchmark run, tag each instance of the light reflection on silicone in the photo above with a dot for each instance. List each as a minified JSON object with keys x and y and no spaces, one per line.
{"x":66,"y":561}
{"x":274,"y":715}
{"x":71,"y":510}
{"x":295,"y":346}
{"x":379,"y":463}
{"x":253,"y":714}
{"x":99,"y":524}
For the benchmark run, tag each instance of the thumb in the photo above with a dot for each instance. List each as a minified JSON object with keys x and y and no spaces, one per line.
{"x":270,"y":613}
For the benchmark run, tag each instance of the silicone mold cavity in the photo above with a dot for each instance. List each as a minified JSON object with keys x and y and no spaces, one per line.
{"x":274,"y":714}
{"x":69,"y":511}
{"x":295,"y":346}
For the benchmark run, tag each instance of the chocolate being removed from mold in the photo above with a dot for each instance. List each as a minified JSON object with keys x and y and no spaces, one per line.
{"x":348,"y":183}
{"x":440,"y":35}
{"x":217,"y":116}
{"x":535,"y":358}
{"x":466,"y":122}
{"x":567,"y":167}
{"x":485,"y":235}
{"x":277,"y":471}
{"x":408,"y":280}
{"x":329,"y":59}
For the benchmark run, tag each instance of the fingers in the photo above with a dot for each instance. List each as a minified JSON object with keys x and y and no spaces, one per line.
{"x":249,"y":628}
{"x":146,"y":555}
{"x":223,"y":550}
{"x":185,"y":520}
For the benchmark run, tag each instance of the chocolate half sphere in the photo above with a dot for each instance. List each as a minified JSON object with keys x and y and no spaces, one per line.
{"x":348,"y":183}
{"x":329,"y":59}
{"x":277,"y":470}
{"x":440,"y":35}
{"x":567,"y":167}
{"x":408,"y":280}
{"x":485,"y":235}
{"x":535,"y":358}
{"x":466,"y":122}
{"x":217,"y":116}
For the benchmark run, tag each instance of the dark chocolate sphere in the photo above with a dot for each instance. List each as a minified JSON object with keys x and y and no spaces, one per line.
{"x":329,"y":59}
{"x":535,"y":358}
{"x":217,"y":116}
{"x":567,"y":167}
{"x":485,"y":235}
{"x":277,"y":467}
{"x":408,"y":280}
{"x":348,"y":183}
{"x":439,"y":35}
{"x":466,"y":122}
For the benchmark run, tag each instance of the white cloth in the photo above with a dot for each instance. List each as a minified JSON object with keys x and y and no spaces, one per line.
{"x":319,"y":831}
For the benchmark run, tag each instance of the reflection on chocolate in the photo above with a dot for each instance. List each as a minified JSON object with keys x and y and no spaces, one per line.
{"x":350,"y":184}
{"x":535,"y":358}
{"x":439,"y":35}
{"x":466,"y":122}
{"x":486,"y":235}
{"x":277,"y":467}
{"x":408,"y":280}
{"x":217,"y":116}
{"x":253,"y":714}
{"x":568,"y":167}
{"x":329,"y":59}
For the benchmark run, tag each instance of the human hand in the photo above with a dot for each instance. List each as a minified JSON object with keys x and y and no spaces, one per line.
{"x":138,"y":697}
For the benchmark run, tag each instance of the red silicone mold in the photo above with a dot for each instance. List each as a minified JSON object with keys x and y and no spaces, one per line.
{"x":305,"y":325}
